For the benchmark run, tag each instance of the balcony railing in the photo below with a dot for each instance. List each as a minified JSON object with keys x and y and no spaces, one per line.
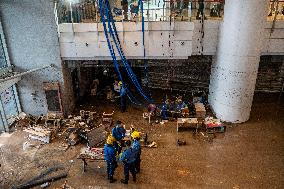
{"x":87,"y":11}
{"x":276,"y":10}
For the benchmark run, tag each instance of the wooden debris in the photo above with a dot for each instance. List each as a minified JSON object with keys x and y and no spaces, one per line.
{"x":38,"y":133}
{"x":200,"y":110}
{"x":65,"y":186}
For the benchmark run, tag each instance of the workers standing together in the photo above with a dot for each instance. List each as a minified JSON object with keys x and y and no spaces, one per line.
{"x":130,"y":157}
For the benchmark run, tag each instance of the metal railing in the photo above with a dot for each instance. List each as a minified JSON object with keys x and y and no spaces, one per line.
{"x":154,"y":10}
{"x":86,"y":11}
{"x":276,"y":10}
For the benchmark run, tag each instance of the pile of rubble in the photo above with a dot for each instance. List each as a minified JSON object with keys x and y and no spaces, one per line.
{"x":73,"y":129}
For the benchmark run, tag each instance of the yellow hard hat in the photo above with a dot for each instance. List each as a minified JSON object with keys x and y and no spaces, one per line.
{"x":119,"y":155}
{"x":110,"y":139}
{"x":135,"y":134}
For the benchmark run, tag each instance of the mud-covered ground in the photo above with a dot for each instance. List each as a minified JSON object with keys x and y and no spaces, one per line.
{"x":248,"y":155}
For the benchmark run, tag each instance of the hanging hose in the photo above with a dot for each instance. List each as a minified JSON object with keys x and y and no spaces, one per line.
{"x":102,"y":10}
{"x":130,"y":96}
{"x":113,"y":33}
{"x":128,"y":69}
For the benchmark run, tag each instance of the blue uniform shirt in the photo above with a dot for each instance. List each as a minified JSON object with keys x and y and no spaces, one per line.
{"x":109,"y":153}
{"x":122,"y":91}
{"x":136,"y":145}
{"x":128,"y":155}
{"x":118,"y":132}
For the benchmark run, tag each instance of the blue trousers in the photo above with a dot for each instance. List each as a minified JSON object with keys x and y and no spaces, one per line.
{"x":111,"y":165}
{"x":117,"y":147}
{"x":137,"y":162}
{"x":123,"y":103}
{"x":129,"y":167}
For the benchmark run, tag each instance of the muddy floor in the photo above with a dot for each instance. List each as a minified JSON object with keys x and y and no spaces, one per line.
{"x":248,"y":155}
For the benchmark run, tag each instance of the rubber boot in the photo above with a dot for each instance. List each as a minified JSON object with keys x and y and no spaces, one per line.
{"x":111,"y":179}
{"x":124,"y":181}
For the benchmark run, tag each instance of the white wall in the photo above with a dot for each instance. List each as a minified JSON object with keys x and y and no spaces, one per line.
{"x":31,"y":35}
{"x":274,"y":42}
{"x":74,"y":37}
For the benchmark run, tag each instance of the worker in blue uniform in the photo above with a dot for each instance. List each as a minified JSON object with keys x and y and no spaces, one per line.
{"x":110,"y":158}
{"x":128,"y":159}
{"x":164,"y":111}
{"x":123,"y":98}
{"x":118,"y":132}
{"x":137,"y":148}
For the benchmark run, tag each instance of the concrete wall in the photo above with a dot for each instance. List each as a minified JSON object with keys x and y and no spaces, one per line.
{"x":162,"y":40}
{"x":73,"y":40}
{"x":274,"y":39}
{"x":206,"y":44}
{"x":31,"y":35}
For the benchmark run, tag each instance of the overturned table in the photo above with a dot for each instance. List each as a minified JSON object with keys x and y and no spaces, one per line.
{"x":90,"y":154}
{"x":187,"y":123}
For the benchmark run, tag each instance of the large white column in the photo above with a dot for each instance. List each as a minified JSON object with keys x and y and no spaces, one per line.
{"x":234,"y":71}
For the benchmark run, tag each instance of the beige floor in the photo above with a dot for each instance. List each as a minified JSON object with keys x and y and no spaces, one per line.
{"x":248,"y":155}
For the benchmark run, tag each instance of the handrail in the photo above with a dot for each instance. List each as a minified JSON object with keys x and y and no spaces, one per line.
{"x":165,"y":10}
{"x":88,"y":11}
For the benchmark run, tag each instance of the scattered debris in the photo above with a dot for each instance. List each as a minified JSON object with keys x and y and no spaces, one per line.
{"x":39,"y":133}
{"x":92,"y":154}
{"x":107,"y":120}
{"x":181,"y":142}
{"x":200,"y":110}
{"x":73,"y":139}
{"x":28,"y":145}
{"x":74,"y":129}
{"x":96,"y":136}
{"x":214,"y":125}
{"x":183,"y":172}
{"x":65,"y":186}
{"x":45,"y":185}
{"x":152,"y":145}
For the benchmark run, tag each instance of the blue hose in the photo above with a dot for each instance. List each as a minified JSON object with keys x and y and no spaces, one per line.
{"x":118,"y":46}
{"x":130,"y":96}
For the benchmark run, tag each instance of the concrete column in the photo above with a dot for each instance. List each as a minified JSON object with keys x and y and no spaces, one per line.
{"x":234,"y":71}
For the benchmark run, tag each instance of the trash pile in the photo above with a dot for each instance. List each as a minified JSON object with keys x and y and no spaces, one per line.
{"x":74,"y":129}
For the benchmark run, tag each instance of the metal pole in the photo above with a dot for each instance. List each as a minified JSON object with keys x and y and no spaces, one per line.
{"x":25,"y":73}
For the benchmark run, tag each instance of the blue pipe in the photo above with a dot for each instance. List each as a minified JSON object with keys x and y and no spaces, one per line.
{"x":124,"y":60}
